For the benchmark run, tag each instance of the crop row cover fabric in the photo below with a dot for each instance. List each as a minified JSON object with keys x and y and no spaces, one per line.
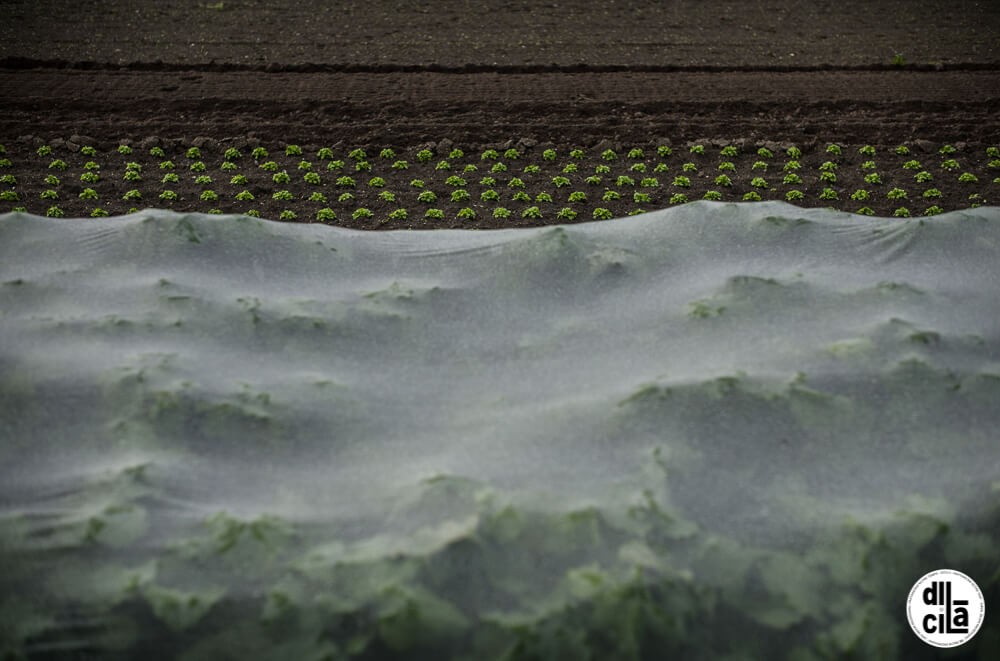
{"x":715,"y":431}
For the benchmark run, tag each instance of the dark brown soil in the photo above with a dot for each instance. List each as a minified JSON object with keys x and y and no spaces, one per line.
{"x":474,"y":76}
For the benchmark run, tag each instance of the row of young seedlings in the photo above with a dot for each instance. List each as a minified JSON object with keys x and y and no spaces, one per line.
{"x":827,"y":175}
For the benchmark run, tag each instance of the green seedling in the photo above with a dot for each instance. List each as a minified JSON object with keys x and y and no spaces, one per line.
{"x":11,"y":195}
{"x":239,"y":180}
{"x":89,"y":151}
{"x":501,"y":212}
{"x":209,"y":196}
{"x":637,"y":167}
{"x":132,"y":195}
{"x":600,"y":213}
{"x":664,"y":151}
{"x":791,"y":178}
{"x":326,"y":215}
{"x":49,"y":195}
{"x":678,"y":198}
{"x":345,"y":198}
{"x":281,"y":177}
{"x":268,"y":166}
{"x":543,"y":197}
{"x":324,"y":154}
{"x":727,"y":166}
{"x":386,"y":154}
{"x":424,"y":156}
{"x":593,"y":180}
{"x":258,"y":153}
{"x":933,"y":210}
{"x":932,"y":193}
{"x":316,"y":196}
{"x":305,"y":165}
{"x":498,"y":167}
{"x":758,"y":182}
{"x":512,"y":154}
{"x":609,"y":155}
{"x":335,"y":166}
{"x":947,"y":149}
{"x":531,"y":212}
{"x":288,"y":215}
{"x":253,"y":213}
{"x":488,"y":181}
{"x":723,"y":180}
{"x":991,"y":152}
{"x":417,"y":183}
{"x":697,"y":149}
{"x":729,"y":151}
{"x":902,"y":150}
{"x":649,"y":182}
{"x":865,"y":211}
{"x":469,"y":168}
{"x":443,"y":165}
{"x":490,"y":155}
{"x":828,"y":194}
{"x":293,"y":150}
{"x":124,"y":150}
{"x":793,"y":152}
{"x":860,"y":194}
{"x":901,"y":212}
{"x":611,"y":196}
{"x":98,"y":212}
{"x":577,"y":197}
{"x":764,"y":152}
{"x":759,"y":165}
{"x":912,"y":165}
{"x":434,"y":214}
{"x":169,"y":178}
{"x":55,"y":212}
{"x":873,"y":178}
{"x":896,"y":194}
{"x":570,"y":168}
{"x":44,"y":150}
{"x":203,"y":180}
{"x":460,"y":195}
{"x":867,"y":150}
{"x":387,"y":196}
{"x":58,"y":164}
{"x":968,"y":178}
{"x":833,"y":149}
{"x":684,"y":182}
{"x":923,"y":177}
{"x":994,"y":164}
{"x":52,"y":180}
{"x":641,"y":198}
{"x":244,"y":196}
{"x":312,"y":178}
{"x":689,"y":167}
{"x":794,"y":195}
{"x":400,"y":165}
{"x":521,"y":196}
{"x":752,"y":196}
{"x":531,"y":169}
{"x":362,"y":213}
{"x":549,"y":154}
{"x":566,"y":214}
{"x":362,"y":166}
{"x":635,"y":153}
{"x":167,"y":165}
{"x":232,"y":154}
{"x":560,"y":182}
{"x":8,"y":179}
{"x":427,"y":197}
{"x":5,"y":163}
{"x":198,"y":166}
{"x":282,"y":195}
{"x":515,"y":183}
{"x":357,"y":154}
{"x":465,"y":213}
{"x":602,"y":169}
{"x":661,"y":167}
{"x":868,"y":165}
{"x":376,"y":182}
{"x":949,"y":164}
{"x":399,"y":214}
{"x":489,"y":195}
{"x":345,"y":182}
{"x":455,"y":181}
{"x":828,"y":177}
{"x":228,"y":166}
{"x":623,"y":180}
{"x":456,"y":154}
{"x":712,"y":195}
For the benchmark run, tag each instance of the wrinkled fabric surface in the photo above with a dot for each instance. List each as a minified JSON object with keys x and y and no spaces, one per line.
{"x":717,"y":431}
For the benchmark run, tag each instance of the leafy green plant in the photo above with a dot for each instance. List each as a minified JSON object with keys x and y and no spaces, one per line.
{"x":258,"y":153}
{"x":532,"y":169}
{"x":901,"y":212}
{"x":209,"y":196}
{"x":792,"y":166}
{"x":363,"y":166}
{"x":326,"y":215}
{"x":124,"y":150}
{"x":860,"y":194}
{"x":281,"y":177}
{"x":994,"y":164}
{"x":689,"y":167}
{"x":345,"y":182}
{"x":469,"y":168}
{"x":752,"y":196}
{"x":55,"y":212}
{"x":465,"y":213}
{"x":488,"y":181}
{"x":253,"y":213}
{"x":49,"y":195}
{"x":664,"y":151}
{"x":515,"y":183}
{"x":578,"y":197}
{"x":593,"y":180}
{"x":244,"y":196}
{"x":400,"y":165}
{"x":417,"y":183}
{"x":376,"y":182}
{"x":678,"y":198}
{"x":793,"y":152}
{"x":867,"y":150}
{"x":232,"y":154}
{"x":168,"y":178}
{"x":132,"y":195}
{"x":288,"y":215}
{"x":52,"y":180}
{"x":933,"y":210}
{"x":968,"y":178}
{"x":727,"y":166}
{"x":198,"y":166}
{"x":624,"y":180}
{"x":600,"y":213}
{"x":949,"y":164}
{"x":305,"y":165}
{"x":828,"y":194}
{"x":649,"y":182}
{"x":5,"y":163}
{"x":293,"y":150}
{"x":932,"y":193}
{"x":521,"y":196}
{"x":637,"y":167}
{"x":641,"y":198}
{"x":560,"y":182}
{"x":268,"y":166}
{"x":455,"y":181}
{"x":345,"y":198}
{"x":865,"y":211}
{"x":723,"y":180}
{"x":602,"y":169}
{"x":611,"y":196}
{"x":443,"y":165}
{"x":873,"y":178}
{"x":794,"y":195}
{"x":238,"y":180}
{"x":576,"y":154}
{"x":357,"y":154}
{"x":399,"y":214}
{"x":923,"y":177}
{"x":661,"y":167}
{"x":98,"y":212}
{"x":8,"y":179}
{"x":729,"y":151}
{"x":947,"y":149}
{"x":165,"y":165}
{"x":58,"y":164}
{"x":912,"y":165}
{"x":712,"y":195}
{"x":758,"y":182}
{"x":424,"y":156}
{"x":434,"y":214}
{"x":896,"y":194}
{"x":501,"y":212}
{"x":387,"y":196}
{"x":11,"y":195}
{"x":312,"y":178}
{"x":490,"y":155}
{"x":791,"y":178}
{"x":566,"y":214}
{"x":697,"y":149}
{"x":362,"y":213}
{"x":684,"y":182}
{"x":460,"y":195}
{"x":609,"y":155}
{"x":834,"y":149}
{"x":549,"y":155}
{"x":282,"y":195}
{"x":489,"y":195}
{"x":543,"y":197}
{"x":868,"y":165}
{"x":203,"y":180}
{"x":993,"y":152}
{"x":498,"y":167}
{"x":427,"y":197}
{"x":828,"y":177}
{"x":336,"y":165}
{"x":764,"y":152}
